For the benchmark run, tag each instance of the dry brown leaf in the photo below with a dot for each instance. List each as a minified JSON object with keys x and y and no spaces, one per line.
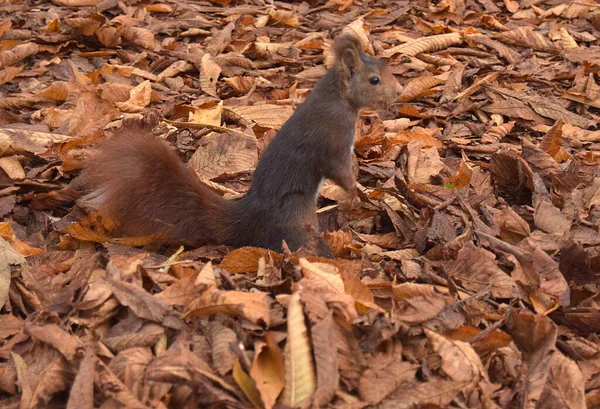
{"x":476,"y":269}
{"x":23,"y":141}
{"x":300,"y":379}
{"x":535,"y":268}
{"x":536,"y":337}
{"x":422,"y":163}
{"x":417,"y":302}
{"x":18,"y":53}
{"x":265,"y":115}
{"x":67,"y":344}
{"x":21,"y":247}
{"x":97,"y":293}
{"x":8,"y":257}
{"x":113,"y":387}
{"x":174,"y":69}
{"x":182,"y":292}
{"x":252,"y":306}
{"x":326,"y":360}
{"x":240,"y":84}
{"x":338,"y":242}
{"x":12,"y":167}
{"x":159,"y":8}
{"x":222,"y":339}
{"x":404,"y":138}
{"x":209,"y":74}
{"x":359,"y":30}
{"x":513,"y":228}
{"x":268,"y":370}
{"x":488,"y":79}
{"x":5,"y":26}
{"x":526,"y":36}
{"x":44,"y":375}
{"x":463,"y":178}
{"x":327,"y":275}
{"x":549,"y":218}
{"x":96,"y":227}
{"x":82,"y":393}
{"x":566,"y":382}
{"x":288,"y":18}
{"x":139,"y":301}
{"x":245,"y":259}
{"x":265,"y":50}
{"x":9,"y":73}
{"x":459,"y":360}
{"x":566,"y":40}
{"x":122,"y":70}
{"x":552,"y":143}
{"x":139,"y":97}
{"x":139,"y":36}
{"x":510,"y":55}
{"x":437,"y":392}
{"x":220,"y":154}
{"x":206,"y":278}
{"x":57,"y":91}
{"x":382,"y":378}
{"x":421,"y":87}
{"x":496,"y":133}
{"x":76,"y":3}
{"x":425,"y":44}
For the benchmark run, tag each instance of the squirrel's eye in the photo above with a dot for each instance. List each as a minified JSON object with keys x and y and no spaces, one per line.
{"x":374,"y":80}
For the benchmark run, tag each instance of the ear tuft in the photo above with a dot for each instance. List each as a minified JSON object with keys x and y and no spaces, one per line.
{"x":347,"y":48}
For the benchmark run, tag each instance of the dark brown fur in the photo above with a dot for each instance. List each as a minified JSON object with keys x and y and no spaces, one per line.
{"x":142,"y":182}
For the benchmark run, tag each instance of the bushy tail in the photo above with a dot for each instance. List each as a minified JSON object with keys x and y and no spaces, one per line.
{"x":140,"y":181}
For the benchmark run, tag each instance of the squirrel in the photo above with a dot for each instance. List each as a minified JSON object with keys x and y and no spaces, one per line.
{"x":140,"y":180}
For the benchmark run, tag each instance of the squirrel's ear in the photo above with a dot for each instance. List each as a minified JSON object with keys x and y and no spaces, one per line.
{"x":347,"y":54}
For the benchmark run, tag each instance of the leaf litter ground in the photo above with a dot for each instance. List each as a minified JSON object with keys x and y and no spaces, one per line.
{"x":466,"y":277}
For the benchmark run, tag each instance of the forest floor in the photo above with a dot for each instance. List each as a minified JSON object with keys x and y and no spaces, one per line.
{"x":466,"y":277}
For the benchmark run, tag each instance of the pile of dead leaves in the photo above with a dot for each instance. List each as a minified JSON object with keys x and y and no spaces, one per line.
{"x":466,"y":277}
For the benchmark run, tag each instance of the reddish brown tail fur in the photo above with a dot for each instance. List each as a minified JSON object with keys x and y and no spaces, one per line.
{"x":145,"y":186}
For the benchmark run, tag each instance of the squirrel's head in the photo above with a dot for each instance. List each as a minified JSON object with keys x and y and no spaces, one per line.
{"x":366,"y":81}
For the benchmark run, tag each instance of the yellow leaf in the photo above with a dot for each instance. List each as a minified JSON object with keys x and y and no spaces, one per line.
{"x":207,"y":116}
{"x":247,"y":385}
{"x":300,"y":379}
